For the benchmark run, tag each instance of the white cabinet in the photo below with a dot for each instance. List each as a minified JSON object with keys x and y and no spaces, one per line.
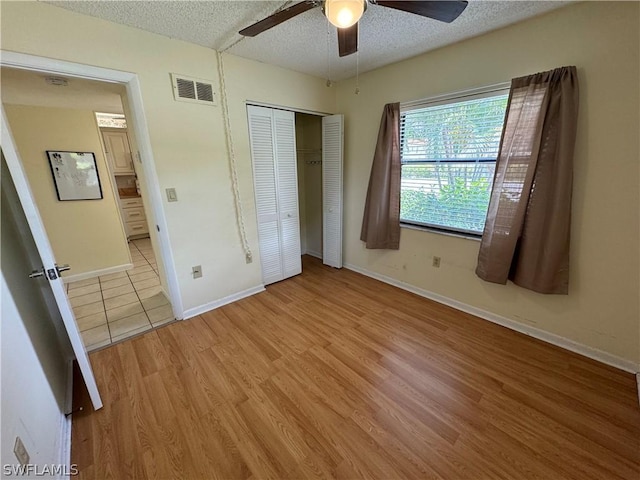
{"x":135,"y":220}
{"x":273,"y":151}
{"x":116,"y":144}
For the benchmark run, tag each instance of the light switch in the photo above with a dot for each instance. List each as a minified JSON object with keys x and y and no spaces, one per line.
{"x":172,"y":196}
{"x":197,"y":271}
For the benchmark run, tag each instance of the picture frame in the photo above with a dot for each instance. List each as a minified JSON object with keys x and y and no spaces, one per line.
{"x":75,"y":175}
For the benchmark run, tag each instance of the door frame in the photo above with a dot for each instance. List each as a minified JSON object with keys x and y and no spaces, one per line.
{"x":139,"y":126}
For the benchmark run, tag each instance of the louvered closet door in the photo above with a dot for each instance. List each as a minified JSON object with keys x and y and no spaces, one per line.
{"x":264,"y":177}
{"x":332,"y":160}
{"x":273,"y":148}
{"x":287,"y":188}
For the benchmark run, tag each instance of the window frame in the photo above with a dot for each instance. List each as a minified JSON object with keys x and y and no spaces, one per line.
{"x":446,"y":99}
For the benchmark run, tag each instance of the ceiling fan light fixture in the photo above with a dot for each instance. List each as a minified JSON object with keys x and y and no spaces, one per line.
{"x":344,"y":13}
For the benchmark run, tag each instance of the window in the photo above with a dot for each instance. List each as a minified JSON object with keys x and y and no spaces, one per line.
{"x":448,"y":149}
{"x":111,"y":120}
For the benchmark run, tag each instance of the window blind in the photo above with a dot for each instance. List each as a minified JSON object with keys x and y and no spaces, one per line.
{"x":448,"y":153}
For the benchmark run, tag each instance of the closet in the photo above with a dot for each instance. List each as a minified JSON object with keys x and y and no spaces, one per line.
{"x":309,"y":150}
{"x":296,"y":213}
{"x":272,"y":135}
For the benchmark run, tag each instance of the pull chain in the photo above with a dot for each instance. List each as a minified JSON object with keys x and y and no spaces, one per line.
{"x":357,"y":92}
{"x":329,"y":82}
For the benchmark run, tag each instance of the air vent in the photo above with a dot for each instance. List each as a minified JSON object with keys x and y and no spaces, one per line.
{"x":205,"y":91}
{"x":188,"y":89}
{"x":185,"y":89}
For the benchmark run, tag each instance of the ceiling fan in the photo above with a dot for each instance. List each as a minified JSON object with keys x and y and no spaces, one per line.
{"x":345,"y":14}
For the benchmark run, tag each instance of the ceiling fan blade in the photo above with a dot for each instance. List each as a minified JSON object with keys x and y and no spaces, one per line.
{"x":445,"y":11}
{"x":348,"y":40}
{"x":278,"y":17}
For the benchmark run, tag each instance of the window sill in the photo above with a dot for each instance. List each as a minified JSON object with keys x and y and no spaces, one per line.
{"x":465,"y":236}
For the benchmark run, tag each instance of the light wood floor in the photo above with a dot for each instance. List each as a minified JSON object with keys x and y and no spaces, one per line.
{"x":332,"y":374}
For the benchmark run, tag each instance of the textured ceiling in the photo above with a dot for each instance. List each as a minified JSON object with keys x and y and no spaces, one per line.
{"x":307,"y":43}
{"x":23,"y":87}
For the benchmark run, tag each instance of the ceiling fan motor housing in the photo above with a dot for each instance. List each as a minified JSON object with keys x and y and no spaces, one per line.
{"x":344,"y":13}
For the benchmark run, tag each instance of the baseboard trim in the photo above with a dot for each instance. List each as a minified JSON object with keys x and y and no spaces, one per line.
{"x":557,"y":340}
{"x":97,"y":273}
{"x":193,"y":312}
{"x":314,"y":254}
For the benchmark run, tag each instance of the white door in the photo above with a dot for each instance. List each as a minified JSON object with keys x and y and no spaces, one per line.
{"x":287,"y":185}
{"x":332,"y":160}
{"x":264,"y":179}
{"x":118,"y":152}
{"x":273,"y":151}
{"x":50,"y":268}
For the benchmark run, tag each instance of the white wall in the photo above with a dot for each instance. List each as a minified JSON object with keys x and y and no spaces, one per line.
{"x":86,"y":234}
{"x":187,"y":139}
{"x":602,"y":40}
{"x":34,"y":371}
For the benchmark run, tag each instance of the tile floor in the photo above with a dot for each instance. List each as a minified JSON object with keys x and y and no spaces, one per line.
{"x":117,"y":306}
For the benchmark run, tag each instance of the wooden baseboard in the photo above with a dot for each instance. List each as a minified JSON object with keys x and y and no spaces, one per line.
{"x":96,"y":273}
{"x":552,"y":338}
{"x":193,"y":312}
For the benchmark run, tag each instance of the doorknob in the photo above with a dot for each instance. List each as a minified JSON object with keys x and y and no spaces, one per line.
{"x":52,"y":273}
{"x":62,"y":268}
{"x":37,"y":273}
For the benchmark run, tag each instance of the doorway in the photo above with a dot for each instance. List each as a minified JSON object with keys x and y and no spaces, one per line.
{"x":116,"y":286}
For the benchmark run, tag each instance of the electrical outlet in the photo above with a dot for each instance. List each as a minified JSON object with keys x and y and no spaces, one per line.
{"x":172,"y":196}
{"x":21,"y":452}
{"x":248,"y":257}
{"x":436,"y":262}
{"x":197,"y":271}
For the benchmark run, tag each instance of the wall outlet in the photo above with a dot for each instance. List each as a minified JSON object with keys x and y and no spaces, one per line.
{"x":172,"y":196}
{"x":21,"y":452}
{"x":248,"y":257}
{"x":436,"y":262}
{"x":197,"y":271}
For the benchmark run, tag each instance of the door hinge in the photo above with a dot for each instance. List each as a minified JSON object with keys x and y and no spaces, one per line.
{"x":157,"y":228}
{"x":138,"y":156}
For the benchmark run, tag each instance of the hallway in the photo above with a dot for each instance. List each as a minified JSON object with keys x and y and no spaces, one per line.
{"x":113,"y":307}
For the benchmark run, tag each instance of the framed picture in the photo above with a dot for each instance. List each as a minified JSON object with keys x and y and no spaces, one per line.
{"x":75,"y":175}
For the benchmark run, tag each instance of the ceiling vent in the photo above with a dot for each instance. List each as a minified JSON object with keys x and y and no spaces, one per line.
{"x":194,"y":90}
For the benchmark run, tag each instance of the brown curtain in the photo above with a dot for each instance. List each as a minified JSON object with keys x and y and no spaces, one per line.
{"x":526,"y":235}
{"x":381,"y":221}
